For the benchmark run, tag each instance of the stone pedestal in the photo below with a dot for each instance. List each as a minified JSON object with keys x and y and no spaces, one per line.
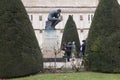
{"x":50,"y":43}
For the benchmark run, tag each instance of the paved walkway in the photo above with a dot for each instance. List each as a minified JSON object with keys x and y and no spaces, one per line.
{"x":66,"y":64}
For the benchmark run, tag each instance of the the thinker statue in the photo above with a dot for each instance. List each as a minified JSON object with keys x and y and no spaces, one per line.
{"x":53,"y":19}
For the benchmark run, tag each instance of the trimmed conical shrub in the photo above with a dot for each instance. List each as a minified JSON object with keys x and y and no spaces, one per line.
{"x":103,"y":52}
{"x":20,"y":54}
{"x":111,"y":53}
{"x":70,"y":33}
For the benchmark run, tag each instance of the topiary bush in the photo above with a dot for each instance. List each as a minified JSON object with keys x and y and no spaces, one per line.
{"x":70,"y":33}
{"x":102,"y":53}
{"x":111,"y":53}
{"x":20,"y":54}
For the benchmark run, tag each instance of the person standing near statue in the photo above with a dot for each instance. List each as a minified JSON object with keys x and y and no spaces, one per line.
{"x":68,"y":50}
{"x":54,"y":18}
{"x":83,"y":47}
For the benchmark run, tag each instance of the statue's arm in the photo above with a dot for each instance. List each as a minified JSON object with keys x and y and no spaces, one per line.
{"x":58,"y":15}
{"x":53,"y":18}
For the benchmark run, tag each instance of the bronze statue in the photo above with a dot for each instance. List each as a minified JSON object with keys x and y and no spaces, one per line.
{"x":53,"y":19}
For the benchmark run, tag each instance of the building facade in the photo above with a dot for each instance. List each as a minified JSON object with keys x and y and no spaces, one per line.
{"x":82,"y":11}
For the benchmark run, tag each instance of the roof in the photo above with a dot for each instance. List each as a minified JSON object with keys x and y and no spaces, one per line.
{"x":60,"y":2}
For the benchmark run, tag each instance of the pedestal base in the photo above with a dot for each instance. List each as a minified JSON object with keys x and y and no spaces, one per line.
{"x":50,"y":42}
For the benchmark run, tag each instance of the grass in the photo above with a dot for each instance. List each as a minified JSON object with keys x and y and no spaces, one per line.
{"x":73,"y":76}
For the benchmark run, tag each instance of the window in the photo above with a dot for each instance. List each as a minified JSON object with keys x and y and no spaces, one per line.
{"x":81,"y":17}
{"x":40,"y":18}
{"x":90,"y":17}
{"x":31,"y":17}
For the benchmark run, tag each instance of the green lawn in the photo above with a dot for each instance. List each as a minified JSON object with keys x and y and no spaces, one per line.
{"x":73,"y":76}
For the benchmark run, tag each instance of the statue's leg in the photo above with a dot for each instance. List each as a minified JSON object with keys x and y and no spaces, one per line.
{"x":48,"y":25}
{"x":55,"y":23}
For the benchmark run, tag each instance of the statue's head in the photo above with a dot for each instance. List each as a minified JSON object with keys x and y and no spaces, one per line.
{"x":59,"y":10}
